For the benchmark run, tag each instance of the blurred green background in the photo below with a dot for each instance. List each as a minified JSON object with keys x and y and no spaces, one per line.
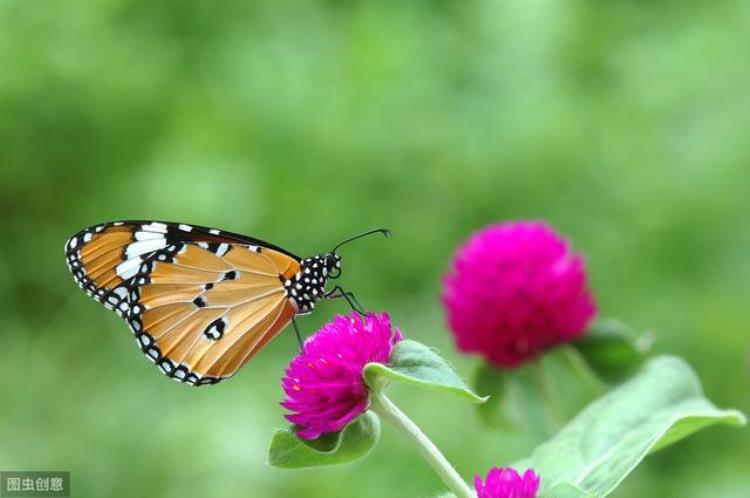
{"x":623,"y":123}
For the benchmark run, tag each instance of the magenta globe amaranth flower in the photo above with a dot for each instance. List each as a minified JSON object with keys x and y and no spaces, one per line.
{"x":514,"y":290}
{"x":324,"y":384}
{"x":507,"y":483}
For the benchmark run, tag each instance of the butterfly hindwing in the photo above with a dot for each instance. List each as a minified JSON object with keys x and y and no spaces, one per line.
{"x":201,"y":314}
{"x":201,"y":302}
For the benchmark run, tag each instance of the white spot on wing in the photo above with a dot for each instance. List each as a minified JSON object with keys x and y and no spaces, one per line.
{"x":145,"y":246}
{"x":214,"y":231}
{"x":185,"y":228}
{"x":128,"y":269}
{"x":222,"y":249}
{"x":143,"y":235}
{"x":156,"y":227}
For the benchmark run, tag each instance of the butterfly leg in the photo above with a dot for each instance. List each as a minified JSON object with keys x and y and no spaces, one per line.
{"x":339,"y":292}
{"x":296,"y":332}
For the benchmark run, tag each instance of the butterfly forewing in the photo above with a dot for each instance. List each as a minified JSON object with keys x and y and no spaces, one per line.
{"x":201,"y":302}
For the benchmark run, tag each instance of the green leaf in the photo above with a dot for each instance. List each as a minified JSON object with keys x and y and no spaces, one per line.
{"x":613,"y":349}
{"x":566,"y":490}
{"x":604,"y":443}
{"x":540,"y":397}
{"x":287,"y":451}
{"x":416,"y":364}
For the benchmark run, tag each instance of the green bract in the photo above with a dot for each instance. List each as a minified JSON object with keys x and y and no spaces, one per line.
{"x":613,"y":349}
{"x":287,"y":451}
{"x":414,"y":363}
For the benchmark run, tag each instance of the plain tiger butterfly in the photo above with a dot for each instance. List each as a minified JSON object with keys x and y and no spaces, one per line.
{"x":200,"y":301}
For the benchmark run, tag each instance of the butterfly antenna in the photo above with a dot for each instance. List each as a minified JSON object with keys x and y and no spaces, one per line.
{"x":384,"y":231}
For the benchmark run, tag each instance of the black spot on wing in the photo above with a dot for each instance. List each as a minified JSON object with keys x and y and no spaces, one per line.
{"x":215,"y":329}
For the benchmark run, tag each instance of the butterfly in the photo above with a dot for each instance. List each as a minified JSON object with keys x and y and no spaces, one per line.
{"x":201,"y":302}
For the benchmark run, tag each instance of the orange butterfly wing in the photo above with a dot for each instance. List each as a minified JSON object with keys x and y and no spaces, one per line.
{"x":201,"y":302}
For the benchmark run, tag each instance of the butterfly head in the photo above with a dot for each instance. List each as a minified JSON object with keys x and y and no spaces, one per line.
{"x":332,"y":264}
{"x":308,"y":285}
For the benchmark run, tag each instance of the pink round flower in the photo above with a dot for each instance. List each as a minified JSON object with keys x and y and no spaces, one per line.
{"x":514,"y":290}
{"x":507,"y":483}
{"x":324,"y":384}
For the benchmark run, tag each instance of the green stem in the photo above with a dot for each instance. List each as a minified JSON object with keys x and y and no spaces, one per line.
{"x":582,"y":369}
{"x":545,"y":391}
{"x":384,"y":407}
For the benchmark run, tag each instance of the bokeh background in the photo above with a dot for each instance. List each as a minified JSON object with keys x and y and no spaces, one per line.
{"x":623,"y":123}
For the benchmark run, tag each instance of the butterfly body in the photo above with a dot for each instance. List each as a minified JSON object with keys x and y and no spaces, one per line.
{"x":201,"y":302}
{"x":308,"y":284}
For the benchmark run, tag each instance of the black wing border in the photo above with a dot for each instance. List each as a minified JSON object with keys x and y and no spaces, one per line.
{"x":175,"y":234}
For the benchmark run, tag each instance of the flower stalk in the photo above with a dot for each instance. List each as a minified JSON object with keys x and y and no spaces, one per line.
{"x":387,"y":410}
